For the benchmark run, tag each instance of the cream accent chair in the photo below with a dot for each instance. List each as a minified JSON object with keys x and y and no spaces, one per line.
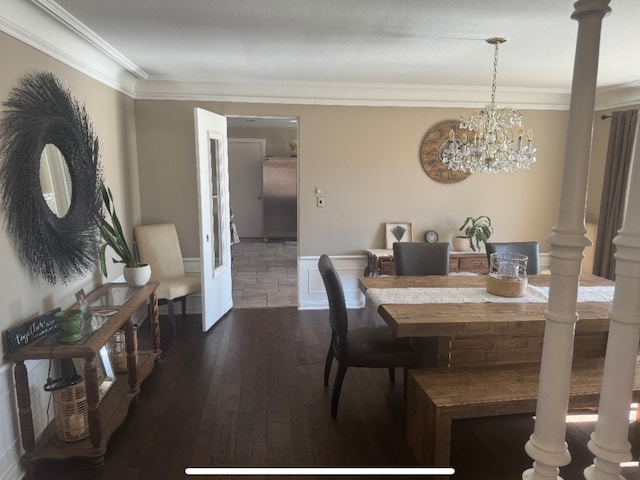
{"x":160,"y":248}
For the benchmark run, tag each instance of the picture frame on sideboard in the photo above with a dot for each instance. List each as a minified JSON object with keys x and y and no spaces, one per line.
{"x":397,"y":232}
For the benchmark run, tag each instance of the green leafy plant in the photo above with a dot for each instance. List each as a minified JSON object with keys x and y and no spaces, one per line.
{"x":113,"y":236}
{"x":477,"y":229}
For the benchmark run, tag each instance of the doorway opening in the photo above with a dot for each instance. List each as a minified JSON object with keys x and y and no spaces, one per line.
{"x":263,"y":178}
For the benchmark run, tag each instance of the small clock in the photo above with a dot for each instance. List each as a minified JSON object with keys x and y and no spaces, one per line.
{"x":431,"y":236}
{"x":434,"y":141}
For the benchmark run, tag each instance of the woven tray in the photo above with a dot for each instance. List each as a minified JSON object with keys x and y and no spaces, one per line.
{"x":507,"y":287}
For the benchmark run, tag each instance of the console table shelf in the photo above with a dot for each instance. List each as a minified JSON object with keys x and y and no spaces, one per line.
{"x":104,"y":415}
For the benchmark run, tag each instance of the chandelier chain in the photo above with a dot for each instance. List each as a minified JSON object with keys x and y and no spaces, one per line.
{"x":495,"y":74}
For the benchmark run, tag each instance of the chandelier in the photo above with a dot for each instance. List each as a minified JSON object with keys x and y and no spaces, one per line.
{"x":494,"y":145}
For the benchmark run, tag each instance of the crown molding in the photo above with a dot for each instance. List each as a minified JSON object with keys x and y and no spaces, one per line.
{"x":350,"y":94}
{"x":56,"y":11}
{"x":618,"y":96}
{"x":47,"y":27}
{"x":28,"y":23}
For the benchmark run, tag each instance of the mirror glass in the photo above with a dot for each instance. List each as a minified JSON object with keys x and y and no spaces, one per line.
{"x":55,"y":180}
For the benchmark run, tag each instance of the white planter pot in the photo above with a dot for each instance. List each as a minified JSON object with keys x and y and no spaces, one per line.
{"x":137,"y":276}
{"x":461,"y":244}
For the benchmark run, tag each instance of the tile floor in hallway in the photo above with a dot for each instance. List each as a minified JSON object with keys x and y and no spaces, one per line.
{"x":264,"y":274}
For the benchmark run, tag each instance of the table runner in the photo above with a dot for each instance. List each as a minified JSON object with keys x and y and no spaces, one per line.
{"x":374,"y":297}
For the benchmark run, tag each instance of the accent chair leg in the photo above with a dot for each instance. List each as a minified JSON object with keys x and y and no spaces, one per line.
{"x":172,"y":317}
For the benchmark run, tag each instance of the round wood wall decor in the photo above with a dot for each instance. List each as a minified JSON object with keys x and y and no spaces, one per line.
{"x":433,"y":141}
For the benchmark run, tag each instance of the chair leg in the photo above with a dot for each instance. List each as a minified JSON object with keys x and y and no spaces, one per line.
{"x":327,"y":363}
{"x":392,"y":375}
{"x":172,"y":317}
{"x":337,"y":386}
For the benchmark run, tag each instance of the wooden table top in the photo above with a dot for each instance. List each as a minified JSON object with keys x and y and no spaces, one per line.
{"x":461,"y":319}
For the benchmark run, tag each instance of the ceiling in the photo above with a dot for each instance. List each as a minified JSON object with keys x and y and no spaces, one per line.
{"x":280,"y":49}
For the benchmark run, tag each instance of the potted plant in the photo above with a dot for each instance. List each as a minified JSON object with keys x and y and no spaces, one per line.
{"x":135,"y":273}
{"x":477,"y":229}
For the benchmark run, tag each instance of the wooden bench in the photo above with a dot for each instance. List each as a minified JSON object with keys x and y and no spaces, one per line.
{"x":437,"y":396}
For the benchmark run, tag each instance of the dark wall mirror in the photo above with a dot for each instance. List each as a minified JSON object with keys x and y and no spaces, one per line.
{"x":50,"y":179}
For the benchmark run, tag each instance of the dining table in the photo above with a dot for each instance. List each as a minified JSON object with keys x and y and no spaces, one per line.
{"x":455,"y":321}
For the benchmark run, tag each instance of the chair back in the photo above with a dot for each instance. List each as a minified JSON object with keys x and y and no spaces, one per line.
{"x":530,"y":249}
{"x":160,"y":248}
{"x":337,"y":305}
{"x":421,"y":258}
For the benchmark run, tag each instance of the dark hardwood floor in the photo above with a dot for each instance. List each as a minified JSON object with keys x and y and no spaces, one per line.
{"x":249,"y":393}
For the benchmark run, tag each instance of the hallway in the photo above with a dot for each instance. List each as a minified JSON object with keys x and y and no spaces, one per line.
{"x":264,"y":274}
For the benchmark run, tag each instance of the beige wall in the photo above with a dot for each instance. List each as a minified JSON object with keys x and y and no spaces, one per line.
{"x":368,"y":158}
{"x":22,"y":297}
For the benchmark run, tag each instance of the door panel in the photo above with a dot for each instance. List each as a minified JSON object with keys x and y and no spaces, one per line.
{"x":213,"y":202}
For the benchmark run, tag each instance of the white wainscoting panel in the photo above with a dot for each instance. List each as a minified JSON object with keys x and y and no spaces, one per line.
{"x":544,"y":263}
{"x":311,"y":292}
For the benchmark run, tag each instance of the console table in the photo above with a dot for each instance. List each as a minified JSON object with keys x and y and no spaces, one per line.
{"x":381,"y":262}
{"x":106,"y":415}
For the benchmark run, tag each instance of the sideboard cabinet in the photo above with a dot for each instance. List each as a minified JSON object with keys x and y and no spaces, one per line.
{"x":381,"y":262}
{"x":106,"y":415}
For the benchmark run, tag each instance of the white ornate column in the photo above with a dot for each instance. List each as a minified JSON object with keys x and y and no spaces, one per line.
{"x":609,"y":441}
{"x":546,"y":445}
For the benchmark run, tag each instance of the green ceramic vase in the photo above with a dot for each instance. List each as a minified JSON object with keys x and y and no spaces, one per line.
{"x":69,"y":324}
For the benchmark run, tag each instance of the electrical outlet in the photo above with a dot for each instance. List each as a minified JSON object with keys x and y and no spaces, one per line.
{"x":320,"y":202}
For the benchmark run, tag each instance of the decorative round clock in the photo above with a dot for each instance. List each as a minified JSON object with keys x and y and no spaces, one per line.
{"x":431,"y":236}
{"x":434,"y":141}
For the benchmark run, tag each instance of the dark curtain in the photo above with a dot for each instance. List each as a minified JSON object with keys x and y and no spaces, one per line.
{"x":614,"y":189}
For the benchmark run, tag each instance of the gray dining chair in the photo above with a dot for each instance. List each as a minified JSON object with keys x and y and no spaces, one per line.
{"x":373,"y":347}
{"x":530,"y":249}
{"x":414,"y":258}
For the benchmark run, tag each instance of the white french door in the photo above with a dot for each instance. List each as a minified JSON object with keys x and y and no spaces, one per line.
{"x":213,"y":202}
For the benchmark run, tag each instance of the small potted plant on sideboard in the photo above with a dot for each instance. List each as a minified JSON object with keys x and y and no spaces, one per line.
{"x":474,"y":230}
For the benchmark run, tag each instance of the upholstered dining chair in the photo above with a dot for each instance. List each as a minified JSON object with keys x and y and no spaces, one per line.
{"x":414,"y":258}
{"x":160,"y":248}
{"x":530,"y":249}
{"x":372,"y":347}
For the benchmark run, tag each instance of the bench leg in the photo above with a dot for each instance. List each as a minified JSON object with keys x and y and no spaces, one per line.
{"x":428,"y":428}
{"x":442,"y":444}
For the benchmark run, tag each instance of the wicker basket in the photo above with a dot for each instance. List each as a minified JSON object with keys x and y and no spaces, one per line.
{"x":118,"y":350}
{"x":70,"y":407}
